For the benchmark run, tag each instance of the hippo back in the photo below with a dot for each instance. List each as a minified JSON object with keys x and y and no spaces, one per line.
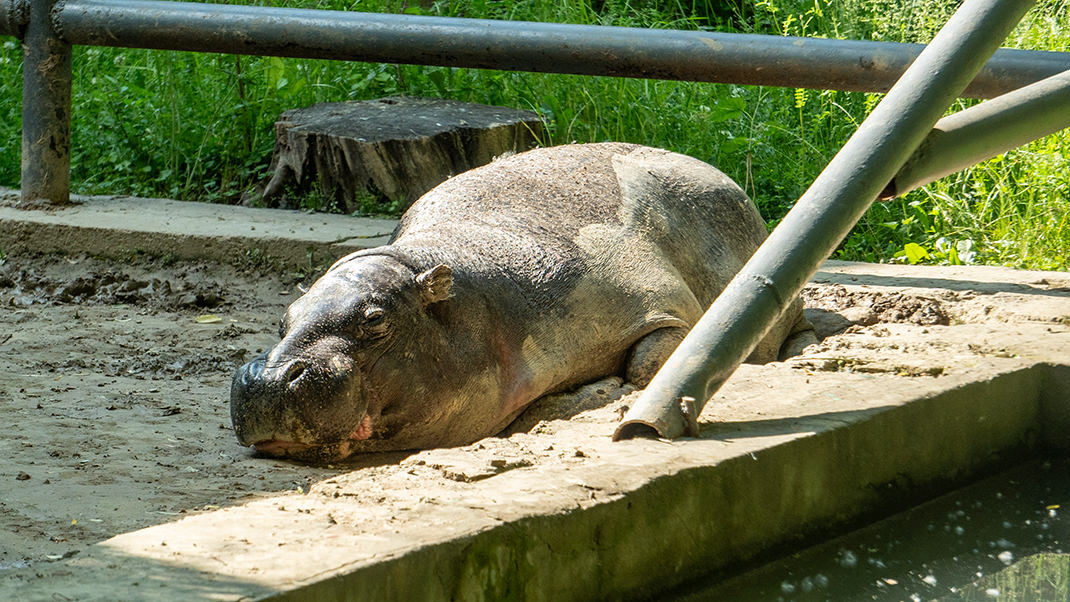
{"x":545,"y":217}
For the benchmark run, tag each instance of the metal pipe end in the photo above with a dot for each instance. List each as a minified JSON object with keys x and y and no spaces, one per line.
{"x":666,"y":423}
{"x":636,"y":429}
{"x":56,"y":17}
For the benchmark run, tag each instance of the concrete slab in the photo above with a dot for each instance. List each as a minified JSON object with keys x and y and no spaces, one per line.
{"x":938,"y":375}
{"x":116,"y":226}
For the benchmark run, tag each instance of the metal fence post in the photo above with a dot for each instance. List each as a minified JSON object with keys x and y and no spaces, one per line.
{"x":46,"y":110}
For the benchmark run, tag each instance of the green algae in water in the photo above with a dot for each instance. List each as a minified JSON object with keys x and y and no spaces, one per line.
{"x":1037,"y":578}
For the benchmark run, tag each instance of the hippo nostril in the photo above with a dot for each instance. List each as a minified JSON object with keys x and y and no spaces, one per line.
{"x":251,"y":371}
{"x":294,"y":371}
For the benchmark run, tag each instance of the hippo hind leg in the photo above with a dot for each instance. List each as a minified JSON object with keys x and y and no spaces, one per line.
{"x":650,"y":352}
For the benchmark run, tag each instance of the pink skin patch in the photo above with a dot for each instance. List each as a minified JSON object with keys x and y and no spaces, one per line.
{"x":363,"y":431}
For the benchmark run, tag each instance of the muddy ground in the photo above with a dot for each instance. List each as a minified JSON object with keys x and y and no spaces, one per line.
{"x":114,"y":383}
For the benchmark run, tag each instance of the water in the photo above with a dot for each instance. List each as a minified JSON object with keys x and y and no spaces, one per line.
{"x":1005,"y":539}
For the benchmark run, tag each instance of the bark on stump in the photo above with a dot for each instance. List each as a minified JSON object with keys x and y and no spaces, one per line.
{"x":386,"y":153}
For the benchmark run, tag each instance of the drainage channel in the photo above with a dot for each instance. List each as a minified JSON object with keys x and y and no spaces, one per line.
{"x":1006,"y":537}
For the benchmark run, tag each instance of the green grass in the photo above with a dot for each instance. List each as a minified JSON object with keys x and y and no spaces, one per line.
{"x":199,"y":127}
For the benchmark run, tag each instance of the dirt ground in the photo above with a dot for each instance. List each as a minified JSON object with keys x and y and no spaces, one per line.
{"x":115,"y":384}
{"x":115,"y":375}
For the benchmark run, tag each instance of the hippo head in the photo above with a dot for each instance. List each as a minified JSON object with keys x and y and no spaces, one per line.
{"x":336,"y":383}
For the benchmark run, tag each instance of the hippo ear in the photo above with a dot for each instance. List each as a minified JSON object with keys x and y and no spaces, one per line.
{"x":435,"y":284}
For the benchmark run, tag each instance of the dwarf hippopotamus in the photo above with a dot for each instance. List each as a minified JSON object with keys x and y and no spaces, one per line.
{"x":531,"y":275}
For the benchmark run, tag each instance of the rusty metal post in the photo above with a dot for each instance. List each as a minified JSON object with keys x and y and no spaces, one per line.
{"x":825,"y":214}
{"x":46,"y":109}
{"x":986,"y":130}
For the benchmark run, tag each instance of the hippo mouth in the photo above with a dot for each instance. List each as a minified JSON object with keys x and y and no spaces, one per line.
{"x":310,"y":452}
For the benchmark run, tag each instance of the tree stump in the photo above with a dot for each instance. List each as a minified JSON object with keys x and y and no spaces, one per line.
{"x":381,"y":155}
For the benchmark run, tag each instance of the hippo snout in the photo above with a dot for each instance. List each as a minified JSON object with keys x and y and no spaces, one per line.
{"x":285,"y":404}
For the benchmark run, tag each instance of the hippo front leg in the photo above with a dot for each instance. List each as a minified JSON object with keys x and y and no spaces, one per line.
{"x":801,"y":337}
{"x":649,"y":353}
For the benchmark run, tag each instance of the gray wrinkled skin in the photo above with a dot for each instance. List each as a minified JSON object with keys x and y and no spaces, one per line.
{"x":533,"y":274}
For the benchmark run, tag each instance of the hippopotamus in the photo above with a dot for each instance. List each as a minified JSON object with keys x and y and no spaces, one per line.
{"x":531,"y":275}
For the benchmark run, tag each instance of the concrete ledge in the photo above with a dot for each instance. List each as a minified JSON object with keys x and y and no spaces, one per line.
{"x":801,"y":480}
{"x":804,"y":480}
{"x":114,"y":226}
{"x":1055,"y":408}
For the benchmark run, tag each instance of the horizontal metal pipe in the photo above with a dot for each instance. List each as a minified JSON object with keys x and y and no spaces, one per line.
{"x":822,"y":217}
{"x":14,"y":15}
{"x":523,"y":46}
{"x":986,"y":130}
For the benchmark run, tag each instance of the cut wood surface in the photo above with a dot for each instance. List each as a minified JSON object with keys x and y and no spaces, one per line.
{"x":383,"y":154}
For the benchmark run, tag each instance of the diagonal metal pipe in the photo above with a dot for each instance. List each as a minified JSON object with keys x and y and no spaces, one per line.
{"x":986,"y":130}
{"x":822,"y":217}
{"x":523,"y":46}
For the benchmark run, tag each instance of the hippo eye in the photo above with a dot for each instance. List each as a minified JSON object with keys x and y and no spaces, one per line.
{"x":374,"y":321}
{"x":373,"y":315}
